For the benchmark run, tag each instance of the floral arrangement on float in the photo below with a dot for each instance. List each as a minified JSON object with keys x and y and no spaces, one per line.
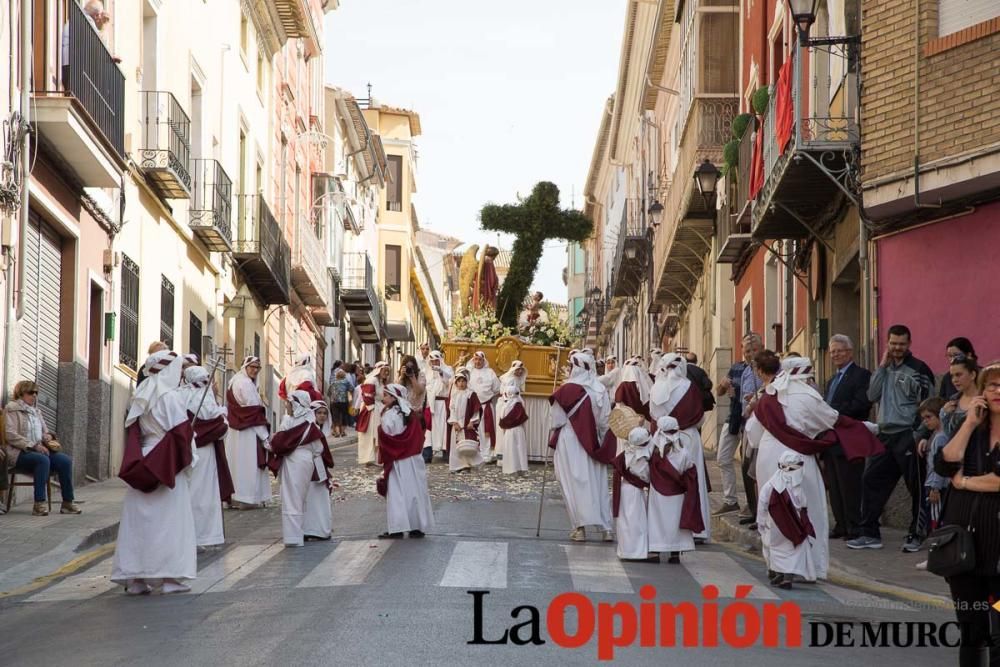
{"x":478,"y":327}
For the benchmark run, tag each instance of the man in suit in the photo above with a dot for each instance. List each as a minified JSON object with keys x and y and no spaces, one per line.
{"x":847,"y":393}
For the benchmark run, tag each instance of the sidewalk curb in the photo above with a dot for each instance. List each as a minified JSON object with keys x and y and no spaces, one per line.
{"x":93,"y":546}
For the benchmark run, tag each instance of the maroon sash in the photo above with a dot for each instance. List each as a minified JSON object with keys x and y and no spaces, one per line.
{"x":368,"y":404}
{"x":284,"y":443}
{"x":163,"y":463}
{"x":488,"y":418}
{"x":852,"y":435}
{"x":667,"y":481}
{"x":242,"y":417}
{"x":628,"y":394}
{"x":689,"y":411}
{"x":583,"y":423}
{"x":213,"y":432}
{"x":514,"y":417}
{"x":396,"y":448}
{"x":793,"y":522}
{"x":621,"y":472}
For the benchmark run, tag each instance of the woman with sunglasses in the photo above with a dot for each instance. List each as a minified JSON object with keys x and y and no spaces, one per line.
{"x":31,"y":449}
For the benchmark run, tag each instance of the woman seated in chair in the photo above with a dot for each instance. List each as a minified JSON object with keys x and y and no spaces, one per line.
{"x":31,"y":449}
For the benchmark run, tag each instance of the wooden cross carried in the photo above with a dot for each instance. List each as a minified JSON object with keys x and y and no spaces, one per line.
{"x":533,"y":221}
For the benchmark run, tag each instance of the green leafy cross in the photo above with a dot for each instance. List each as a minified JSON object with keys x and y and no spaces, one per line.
{"x":533,"y":221}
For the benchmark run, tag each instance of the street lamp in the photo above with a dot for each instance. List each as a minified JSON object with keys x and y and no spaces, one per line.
{"x":804,"y":15}
{"x":595,"y":294}
{"x":707,"y":177}
{"x":655,"y":213}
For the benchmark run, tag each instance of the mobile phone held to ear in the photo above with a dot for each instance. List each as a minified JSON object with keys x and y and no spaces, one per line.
{"x":980,"y":411}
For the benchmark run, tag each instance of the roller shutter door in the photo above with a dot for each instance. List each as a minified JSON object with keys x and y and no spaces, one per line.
{"x":40,"y":323}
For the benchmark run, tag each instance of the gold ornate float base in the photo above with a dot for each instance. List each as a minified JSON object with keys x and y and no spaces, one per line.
{"x":541,"y":361}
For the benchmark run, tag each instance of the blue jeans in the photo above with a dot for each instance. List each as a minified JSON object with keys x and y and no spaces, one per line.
{"x":39,"y":465}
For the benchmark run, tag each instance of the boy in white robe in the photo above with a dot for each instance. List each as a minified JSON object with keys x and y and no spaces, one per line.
{"x":629,"y":502}
{"x":404,"y":474}
{"x":464,"y":414}
{"x":674,"y":496}
{"x":783,"y":519}
{"x":206,"y":503}
{"x":484,"y":381}
{"x":318,"y":522}
{"x":513,"y":440}
{"x":439,"y":379}
{"x":248,"y":430}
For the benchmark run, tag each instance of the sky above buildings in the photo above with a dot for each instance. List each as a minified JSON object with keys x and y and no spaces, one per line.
{"x":509,"y":93}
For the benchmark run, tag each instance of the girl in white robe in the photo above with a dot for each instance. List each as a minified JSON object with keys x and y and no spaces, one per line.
{"x":632,"y":522}
{"x":665,"y":532}
{"x":318,"y":523}
{"x":205,"y":501}
{"x":484,"y":381}
{"x":785,"y":559}
{"x":156,"y":536}
{"x":513,"y":440}
{"x":299,"y":444}
{"x":439,"y":379}
{"x":408,"y":501}
{"x":253,"y":487}
{"x":464,"y":414}
{"x":371,"y":396}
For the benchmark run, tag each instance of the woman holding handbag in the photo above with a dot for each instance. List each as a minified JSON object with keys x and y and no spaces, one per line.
{"x":972,"y":460}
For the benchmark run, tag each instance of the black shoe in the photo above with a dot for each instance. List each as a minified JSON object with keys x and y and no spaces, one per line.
{"x":675,"y":557}
{"x":416,"y":533}
{"x":744,"y":520}
{"x":838,"y":533}
{"x":785,"y":582}
{"x":752,"y":526}
{"x":700,"y":540}
{"x":390,"y":536}
{"x":317,"y":538}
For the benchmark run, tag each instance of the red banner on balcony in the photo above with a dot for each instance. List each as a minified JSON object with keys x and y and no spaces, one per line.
{"x":783,"y":108}
{"x":757,"y":163}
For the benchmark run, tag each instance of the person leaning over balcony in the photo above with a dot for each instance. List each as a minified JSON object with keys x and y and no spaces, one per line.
{"x":32,"y":450}
{"x":97,"y":18}
{"x":972,"y":460}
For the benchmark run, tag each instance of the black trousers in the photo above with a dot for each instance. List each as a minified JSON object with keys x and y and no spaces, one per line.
{"x":972,"y":594}
{"x":843,"y":480}
{"x":880,"y":477}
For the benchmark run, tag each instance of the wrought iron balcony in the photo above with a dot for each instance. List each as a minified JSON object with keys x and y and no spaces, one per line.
{"x":211,"y":211}
{"x":260,"y":249}
{"x":82,"y":121}
{"x":165,"y":144}
{"x":360,"y":298}
{"x":806,"y":180}
{"x":309,"y":276}
{"x":732,"y":230}
{"x":632,"y":253}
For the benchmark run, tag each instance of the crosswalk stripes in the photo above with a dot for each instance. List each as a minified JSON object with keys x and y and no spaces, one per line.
{"x":234,"y":566}
{"x":596,"y":569}
{"x":88,"y":584}
{"x":347,"y":565}
{"x":477,"y":565}
{"x":719,"y":570}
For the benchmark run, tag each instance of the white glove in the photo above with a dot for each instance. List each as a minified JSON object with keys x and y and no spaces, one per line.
{"x":872,"y":427}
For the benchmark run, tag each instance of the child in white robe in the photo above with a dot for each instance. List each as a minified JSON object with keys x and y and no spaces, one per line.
{"x":299,"y":444}
{"x":318,"y":523}
{"x":401,"y":437}
{"x":464,"y":415}
{"x":205,"y":501}
{"x":666,"y":512}
{"x":631,"y":519}
{"x":513,"y":445}
{"x":786,"y":532}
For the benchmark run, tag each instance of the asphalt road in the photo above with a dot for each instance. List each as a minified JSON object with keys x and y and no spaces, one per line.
{"x":357,"y":600}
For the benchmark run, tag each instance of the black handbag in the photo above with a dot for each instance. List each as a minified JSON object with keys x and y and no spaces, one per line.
{"x":952,"y":549}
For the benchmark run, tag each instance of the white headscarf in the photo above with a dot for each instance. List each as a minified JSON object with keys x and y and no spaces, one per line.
{"x":793,"y":378}
{"x":654,"y":359}
{"x":191,"y":359}
{"x":402,"y":396}
{"x":634,"y":371}
{"x":196,"y":379}
{"x":303,"y":371}
{"x":243,"y":371}
{"x":163,"y":375}
{"x":327,"y":425}
{"x":671,"y":375}
{"x":790,"y":472}
{"x":459,"y":398}
{"x":301,"y":410}
{"x":667,"y":434}
{"x":637,"y":437}
{"x":510,"y":377}
{"x":583,"y":371}
{"x":373,"y":377}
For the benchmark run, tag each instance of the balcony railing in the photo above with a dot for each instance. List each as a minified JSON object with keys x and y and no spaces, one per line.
{"x":731,"y":231}
{"x":633,"y":250}
{"x":165,"y":144}
{"x":211,"y":210}
{"x":93,"y":78}
{"x":260,"y":249}
{"x":803,"y":179}
{"x":309,"y":276}
{"x":360,"y":297}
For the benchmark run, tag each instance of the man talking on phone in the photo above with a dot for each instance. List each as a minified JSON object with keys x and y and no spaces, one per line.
{"x":899,"y":385}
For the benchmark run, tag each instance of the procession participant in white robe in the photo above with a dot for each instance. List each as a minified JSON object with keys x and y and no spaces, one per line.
{"x":511,"y":432}
{"x":189,"y":361}
{"x":786,"y":529}
{"x":299,"y":457}
{"x":655,"y":356}
{"x":301,"y":376}
{"x":628,"y":500}
{"x":484,"y":381}
{"x":404,"y":474}
{"x":439,"y":378}
{"x":248,"y":430}
{"x":675,"y":500}
{"x":673,"y":394}
{"x":211,"y":481}
{"x":791,"y":416}
{"x":517,"y":374}
{"x":318,"y":522}
{"x":585,"y":449}
{"x":612,"y":374}
{"x":424,"y":359}
{"x":464,"y":414}
{"x":371,"y":409}
{"x":156,"y":536}
{"x":633,"y":392}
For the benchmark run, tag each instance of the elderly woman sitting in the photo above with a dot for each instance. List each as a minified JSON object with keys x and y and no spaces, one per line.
{"x":32,"y":450}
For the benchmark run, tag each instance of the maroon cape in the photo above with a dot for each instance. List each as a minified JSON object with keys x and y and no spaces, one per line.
{"x":583,"y":423}
{"x":855,"y":439}
{"x":628,"y":394}
{"x":161,"y":466}
{"x":514,"y":417}
{"x":396,"y":448}
{"x":667,"y":481}
{"x":213,"y":432}
{"x":621,"y":472}
{"x":245,"y":416}
{"x":307,"y":386}
{"x":792,"y":522}
{"x":284,"y":443}
{"x":690,"y":409}
{"x":489,"y":420}
{"x":365,"y":416}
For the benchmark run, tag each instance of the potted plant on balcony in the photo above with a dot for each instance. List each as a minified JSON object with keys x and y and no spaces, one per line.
{"x":759,"y":100}
{"x":730,"y":155}
{"x":740,"y":125}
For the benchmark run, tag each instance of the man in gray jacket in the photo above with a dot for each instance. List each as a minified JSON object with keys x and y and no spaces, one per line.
{"x":899,"y":385}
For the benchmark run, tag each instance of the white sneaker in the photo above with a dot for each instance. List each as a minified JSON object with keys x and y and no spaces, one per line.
{"x":174,"y":587}
{"x":138,"y":588}
{"x":922,"y":565}
{"x":578,"y":535}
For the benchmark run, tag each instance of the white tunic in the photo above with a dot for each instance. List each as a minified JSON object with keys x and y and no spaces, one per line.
{"x":584,"y":481}
{"x":296,"y":480}
{"x":368,"y":440}
{"x":486,"y":384}
{"x":205,"y":502}
{"x":631,"y":526}
{"x":408,"y":502}
{"x":512,"y":444}
{"x":665,"y":533}
{"x":780,"y":553}
{"x":318,"y":521}
{"x":437,"y":390}
{"x":459,"y":405}
{"x":251,"y":483}
{"x":156,"y":537}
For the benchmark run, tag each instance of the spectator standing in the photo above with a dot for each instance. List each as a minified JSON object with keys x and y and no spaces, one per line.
{"x":847,"y":393}
{"x":934,"y":484}
{"x":900,"y":385}
{"x":750,"y":386}
{"x":955,"y":347}
{"x":964,"y":374}
{"x":340,"y":394}
{"x":729,"y":441}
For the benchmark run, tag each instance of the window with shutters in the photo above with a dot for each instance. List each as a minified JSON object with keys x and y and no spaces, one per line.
{"x":194,"y":337}
{"x":167,"y":312}
{"x":393,"y":272}
{"x":128,"y":350}
{"x":394,"y":189}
